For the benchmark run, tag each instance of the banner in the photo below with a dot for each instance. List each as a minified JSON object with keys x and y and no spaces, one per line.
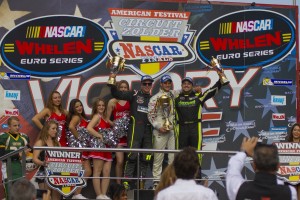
{"x":64,"y":45}
{"x":64,"y":171}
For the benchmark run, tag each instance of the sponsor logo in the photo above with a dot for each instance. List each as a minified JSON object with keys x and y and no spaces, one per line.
{"x":18,"y":76}
{"x":233,"y":126}
{"x":14,"y":76}
{"x":279,"y":128}
{"x":151,"y":41}
{"x":186,"y":103}
{"x":198,"y":8}
{"x":247,"y":38}
{"x":291,"y":170}
{"x":68,"y":166}
{"x":278,"y":116}
{"x":288,"y":159}
{"x":278,"y":100}
{"x":272,"y":69}
{"x":288,"y":147}
{"x":3,"y":76}
{"x":4,"y":126}
{"x":12,"y":94}
{"x":275,"y":133}
{"x":277,"y":82}
{"x":11,"y":112}
{"x":219,"y":139}
{"x":52,"y":46}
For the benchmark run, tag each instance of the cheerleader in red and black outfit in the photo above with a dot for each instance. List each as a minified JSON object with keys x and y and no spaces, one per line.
{"x":77,"y":118}
{"x":55,"y":111}
{"x":118,"y":109}
{"x":101,"y":160}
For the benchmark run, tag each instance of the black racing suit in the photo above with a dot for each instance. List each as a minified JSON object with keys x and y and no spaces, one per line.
{"x":188,"y":109}
{"x":139,"y":131}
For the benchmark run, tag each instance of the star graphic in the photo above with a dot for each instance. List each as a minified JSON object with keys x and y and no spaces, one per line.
{"x":77,"y":13}
{"x":292,"y":88}
{"x":215,"y":173}
{"x":8,"y":17}
{"x":240,"y":131}
{"x":266,"y":102}
{"x":248,"y":165}
{"x":292,"y":59}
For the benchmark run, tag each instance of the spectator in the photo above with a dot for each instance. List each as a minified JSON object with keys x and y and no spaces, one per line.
{"x":117,"y":192}
{"x":11,"y":141}
{"x":265,"y":184}
{"x":294,"y":135}
{"x":139,"y":130}
{"x":22,"y":189}
{"x":47,"y":138}
{"x":186,"y":166}
{"x":53,"y":110}
{"x":168,"y":177}
{"x":117,"y":109}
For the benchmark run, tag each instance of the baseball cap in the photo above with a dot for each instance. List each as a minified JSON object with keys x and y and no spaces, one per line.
{"x":165,"y":78}
{"x":189,"y":79}
{"x":146,"y":77}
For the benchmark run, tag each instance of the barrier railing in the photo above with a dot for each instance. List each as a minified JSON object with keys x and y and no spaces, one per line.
{"x":7,"y":158}
{"x":125,"y":150}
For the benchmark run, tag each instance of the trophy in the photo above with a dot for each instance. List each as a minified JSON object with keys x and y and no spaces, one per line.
{"x":115,"y":64}
{"x":215,"y":63}
{"x":165,"y":103}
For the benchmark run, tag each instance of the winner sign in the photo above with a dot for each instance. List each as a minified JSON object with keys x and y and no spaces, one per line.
{"x":64,"y":171}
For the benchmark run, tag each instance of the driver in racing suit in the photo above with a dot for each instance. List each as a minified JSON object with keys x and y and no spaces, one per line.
{"x":139,"y":133}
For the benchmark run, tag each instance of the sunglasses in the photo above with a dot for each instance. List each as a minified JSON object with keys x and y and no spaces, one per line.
{"x":147,"y":84}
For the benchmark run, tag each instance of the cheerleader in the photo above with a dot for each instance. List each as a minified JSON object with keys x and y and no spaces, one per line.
{"x":101,"y":160}
{"x":117,"y":109}
{"x":55,"y":111}
{"x":47,"y":138}
{"x":75,"y":119}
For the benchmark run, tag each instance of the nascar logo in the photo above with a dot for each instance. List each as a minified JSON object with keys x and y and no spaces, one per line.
{"x":55,"y":31}
{"x":246,"y":26}
{"x":149,"y":52}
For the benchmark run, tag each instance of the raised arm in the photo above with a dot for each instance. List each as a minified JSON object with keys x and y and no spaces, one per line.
{"x":234,"y":178}
{"x":39,"y":116}
{"x":211,"y":91}
{"x":72,"y":125}
{"x":122,"y":95}
{"x":110,"y":107}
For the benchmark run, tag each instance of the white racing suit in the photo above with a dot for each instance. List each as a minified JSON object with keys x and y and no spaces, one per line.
{"x":161,"y":140}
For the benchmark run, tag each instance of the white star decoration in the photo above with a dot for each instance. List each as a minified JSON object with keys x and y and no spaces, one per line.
{"x":8,"y":17}
{"x":218,"y":174}
{"x":77,"y":13}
